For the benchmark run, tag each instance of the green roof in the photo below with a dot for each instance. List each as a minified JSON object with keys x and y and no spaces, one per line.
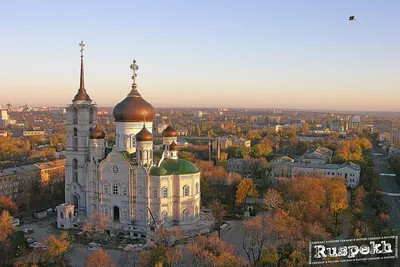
{"x":158,"y":171}
{"x":179,"y":166}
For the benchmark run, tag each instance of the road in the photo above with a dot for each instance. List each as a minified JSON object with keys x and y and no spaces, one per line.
{"x":389,"y":185}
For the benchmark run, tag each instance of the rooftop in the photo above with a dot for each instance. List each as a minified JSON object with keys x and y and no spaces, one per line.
{"x":32,"y":167}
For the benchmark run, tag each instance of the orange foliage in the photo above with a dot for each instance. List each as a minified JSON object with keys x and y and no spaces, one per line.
{"x":245,"y":188}
{"x":100,"y":258}
{"x":7,"y":204}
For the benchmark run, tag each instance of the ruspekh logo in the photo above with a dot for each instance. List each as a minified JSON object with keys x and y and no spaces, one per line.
{"x":374,"y":248}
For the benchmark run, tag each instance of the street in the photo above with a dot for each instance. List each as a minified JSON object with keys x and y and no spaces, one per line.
{"x":389,"y":186}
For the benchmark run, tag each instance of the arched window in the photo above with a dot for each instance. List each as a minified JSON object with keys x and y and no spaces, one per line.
{"x":140,"y":191}
{"x":61,"y":215}
{"x":124,"y":190}
{"x":70,"y":214}
{"x":155,"y":214}
{"x":155,"y":193}
{"x":165,"y":192}
{"x":185,"y":214}
{"x":197,"y":188}
{"x":164,"y":215}
{"x":186,"y":191}
{"x":141,"y":154}
{"x":106,"y":189}
{"x":141,"y":216}
{"x":125,"y":212}
{"x":75,"y":115}
{"x":115,"y":188}
{"x":75,"y":170}
{"x":91,"y":115}
{"x":106,"y":211}
{"x":75,"y":132}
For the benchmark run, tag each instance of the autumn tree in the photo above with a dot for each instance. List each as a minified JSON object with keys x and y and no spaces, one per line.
{"x":212,"y":251}
{"x":96,"y":225}
{"x":359,"y":198}
{"x":6,"y":227}
{"x":218,"y":212}
{"x":245,"y":188}
{"x":7,"y":204}
{"x":272,"y":200}
{"x":100,"y":258}
{"x":187,"y":156}
{"x":57,"y":247}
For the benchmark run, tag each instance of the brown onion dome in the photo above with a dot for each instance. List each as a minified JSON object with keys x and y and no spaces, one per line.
{"x":169,"y":132}
{"x":82,"y":96}
{"x":173,"y":146}
{"x":144,"y":135}
{"x":97,"y":133}
{"x":134,"y":109}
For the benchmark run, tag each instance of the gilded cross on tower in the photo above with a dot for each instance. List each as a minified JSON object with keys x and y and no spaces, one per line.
{"x":134,"y":68}
{"x":82,"y":45}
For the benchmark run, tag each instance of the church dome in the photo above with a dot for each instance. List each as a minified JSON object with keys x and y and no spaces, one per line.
{"x":169,"y":132}
{"x":134,"y":109}
{"x":144,"y":135}
{"x":97,"y":133}
{"x":178,"y":166}
{"x":173,"y":146}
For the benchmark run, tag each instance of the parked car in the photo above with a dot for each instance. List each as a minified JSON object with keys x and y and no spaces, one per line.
{"x":28,"y":231}
{"x":93,"y":246}
{"x":30,"y":240}
{"x":16,"y":222}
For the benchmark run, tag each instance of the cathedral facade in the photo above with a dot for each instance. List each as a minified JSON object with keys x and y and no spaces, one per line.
{"x":123,"y":182}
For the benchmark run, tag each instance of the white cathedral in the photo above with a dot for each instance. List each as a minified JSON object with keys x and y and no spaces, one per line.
{"x":123,"y":182}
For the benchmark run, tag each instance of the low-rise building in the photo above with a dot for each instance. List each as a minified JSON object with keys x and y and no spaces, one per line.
{"x":317,"y":155}
{"x":14,"y":182}
{"x":349,"y":171}
{"x":244,"y":167}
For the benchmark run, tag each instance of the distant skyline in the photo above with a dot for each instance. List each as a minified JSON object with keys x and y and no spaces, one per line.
{"x":234,"y":54}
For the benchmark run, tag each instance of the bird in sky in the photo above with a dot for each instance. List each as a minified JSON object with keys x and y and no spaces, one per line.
{"x":352,"y":18}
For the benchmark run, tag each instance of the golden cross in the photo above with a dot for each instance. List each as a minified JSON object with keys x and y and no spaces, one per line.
{"x":134,"y":68}
{"x":82,"y":45}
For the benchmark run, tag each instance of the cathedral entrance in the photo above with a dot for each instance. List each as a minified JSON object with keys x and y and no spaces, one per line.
{"x":75,"y":201}
{"x":116,"y":214}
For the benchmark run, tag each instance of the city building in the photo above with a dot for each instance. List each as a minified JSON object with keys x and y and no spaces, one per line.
{"x":317,"y":155}
{"x":244,"y":167}
{"x":5,"y":120}
{"x":14,"y":182}
{"x":230,"y":140}
{"x":123,"y":182}
{"x":27,"y":133}
{"x":382,"y":126}
{"x":161,"y":127}
{"x":198,"y":114}
{"x":395,"y":137}
{"x":349,"y":171}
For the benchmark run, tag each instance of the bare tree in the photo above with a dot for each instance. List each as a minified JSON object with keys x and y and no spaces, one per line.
{"x":272,"y":200}
{"x":218,"y":212}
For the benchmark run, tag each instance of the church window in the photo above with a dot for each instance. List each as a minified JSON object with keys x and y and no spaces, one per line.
{"x":125,"y":190}
{"x":185,"y":214}
{"x":165,"y":192}
{"x":125,"y":212}
{"x":75,"y":132}
{"x":106,"y":189}
{"x":141,"y":215}
{"x":75,"y":115}
{"x":61,"y":215}
{"x":141,"y":154}
{"x":91,"y":115}
{"x":155,"y":215}
{"x":197,"y":188}
{"x":115,"y":188}
{"x":165,"y":215}
{"x":106,"y":210}
{"x":155,"y":193}
{"x":186,"y":191}
{"x":140,"y":192}
{"x":75,"y":170}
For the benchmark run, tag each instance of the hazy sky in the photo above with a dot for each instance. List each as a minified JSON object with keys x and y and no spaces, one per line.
{"x":266,"y":53}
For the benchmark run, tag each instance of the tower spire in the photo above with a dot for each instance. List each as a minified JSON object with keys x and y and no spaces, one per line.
{"x":134,"y":67}
{"x":82,"y":95}
{"x":82,"y":80}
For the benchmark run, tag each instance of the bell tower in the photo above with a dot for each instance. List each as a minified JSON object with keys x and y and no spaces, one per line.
{"x":81,"y":119}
